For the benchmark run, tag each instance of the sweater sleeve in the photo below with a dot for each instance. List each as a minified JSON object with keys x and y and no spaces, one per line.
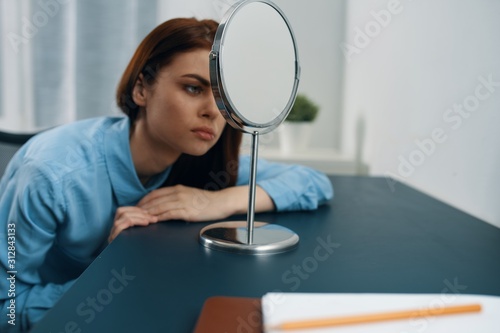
{"x":31,"y":206}
{"x":291,"y":187}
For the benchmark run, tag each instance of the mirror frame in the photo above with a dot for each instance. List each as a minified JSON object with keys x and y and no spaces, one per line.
{"x":224,"y":103}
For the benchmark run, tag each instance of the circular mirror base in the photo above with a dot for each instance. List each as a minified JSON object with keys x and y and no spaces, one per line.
{"x":232,"y":237}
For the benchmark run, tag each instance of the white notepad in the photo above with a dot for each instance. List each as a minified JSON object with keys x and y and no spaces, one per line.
{"x":278,"y":308}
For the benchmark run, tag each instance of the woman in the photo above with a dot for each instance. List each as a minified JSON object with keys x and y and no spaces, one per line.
{"x":71,"y":190}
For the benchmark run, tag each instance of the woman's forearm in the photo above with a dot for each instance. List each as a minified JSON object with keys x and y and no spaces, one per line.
{"x":238,"y":197}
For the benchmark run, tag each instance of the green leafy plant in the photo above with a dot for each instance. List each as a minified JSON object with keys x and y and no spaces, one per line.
{"x":303,"y":109}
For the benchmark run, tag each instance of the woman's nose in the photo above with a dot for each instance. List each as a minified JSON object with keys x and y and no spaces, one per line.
{"x":210,"y":109}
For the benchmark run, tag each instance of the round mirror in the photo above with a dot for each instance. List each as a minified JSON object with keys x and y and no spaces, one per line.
{"x":254,"y":66}
{"x":254,"y":72}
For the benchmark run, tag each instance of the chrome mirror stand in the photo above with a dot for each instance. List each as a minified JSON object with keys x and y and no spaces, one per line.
{"x":249,"y":237}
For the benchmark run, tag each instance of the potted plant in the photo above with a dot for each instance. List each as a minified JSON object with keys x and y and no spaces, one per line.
{"x":297,"y":128}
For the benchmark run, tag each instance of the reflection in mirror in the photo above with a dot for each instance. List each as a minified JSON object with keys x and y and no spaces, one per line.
{"x":257,"y":66}
{"x":269,"y":73}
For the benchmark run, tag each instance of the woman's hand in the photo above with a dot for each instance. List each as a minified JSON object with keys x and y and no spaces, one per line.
{"x":186,"y":203}
{"x":127,"y":217}
{"x":194,"y":205}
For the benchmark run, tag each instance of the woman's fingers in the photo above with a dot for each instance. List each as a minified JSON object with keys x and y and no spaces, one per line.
{"x":127,"y":217}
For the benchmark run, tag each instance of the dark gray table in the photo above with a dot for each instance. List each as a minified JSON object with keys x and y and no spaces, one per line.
{"x":373,"y":237}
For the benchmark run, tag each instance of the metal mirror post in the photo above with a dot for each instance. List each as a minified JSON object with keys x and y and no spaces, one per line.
{"x":254,"y":72}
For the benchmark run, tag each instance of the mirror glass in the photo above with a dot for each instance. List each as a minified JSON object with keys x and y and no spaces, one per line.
{"x":257,"y":62}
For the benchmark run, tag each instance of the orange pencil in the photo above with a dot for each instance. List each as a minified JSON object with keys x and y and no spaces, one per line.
{"x":376,"y":317}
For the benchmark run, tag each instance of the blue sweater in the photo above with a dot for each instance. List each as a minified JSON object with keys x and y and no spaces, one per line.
{"x":58,"y":198}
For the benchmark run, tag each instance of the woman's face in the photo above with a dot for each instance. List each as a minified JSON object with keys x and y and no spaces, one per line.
{"x":179,"y":114}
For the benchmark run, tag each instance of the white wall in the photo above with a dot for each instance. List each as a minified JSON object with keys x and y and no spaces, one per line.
{"x":405,"y":85}
{"x":319,"y":28}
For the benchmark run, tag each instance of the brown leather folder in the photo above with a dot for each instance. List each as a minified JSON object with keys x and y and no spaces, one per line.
{"x":222,"y":314}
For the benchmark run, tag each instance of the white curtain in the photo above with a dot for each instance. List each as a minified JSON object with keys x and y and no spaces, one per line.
{"x":60,"y":60}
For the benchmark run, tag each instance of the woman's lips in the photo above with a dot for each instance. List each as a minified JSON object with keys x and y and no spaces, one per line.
{"x":204,"y":133}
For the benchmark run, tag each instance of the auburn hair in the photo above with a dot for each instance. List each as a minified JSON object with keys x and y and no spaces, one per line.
{"x":218,"y":168}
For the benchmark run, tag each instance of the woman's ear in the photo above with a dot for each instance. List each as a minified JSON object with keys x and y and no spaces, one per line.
{"x":139,"y":91}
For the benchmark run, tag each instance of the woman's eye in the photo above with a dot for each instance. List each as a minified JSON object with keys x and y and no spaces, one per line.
{"x":195,"y":90}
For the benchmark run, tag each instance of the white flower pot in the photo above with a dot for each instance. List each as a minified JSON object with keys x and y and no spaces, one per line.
{"x":295,"y":136}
